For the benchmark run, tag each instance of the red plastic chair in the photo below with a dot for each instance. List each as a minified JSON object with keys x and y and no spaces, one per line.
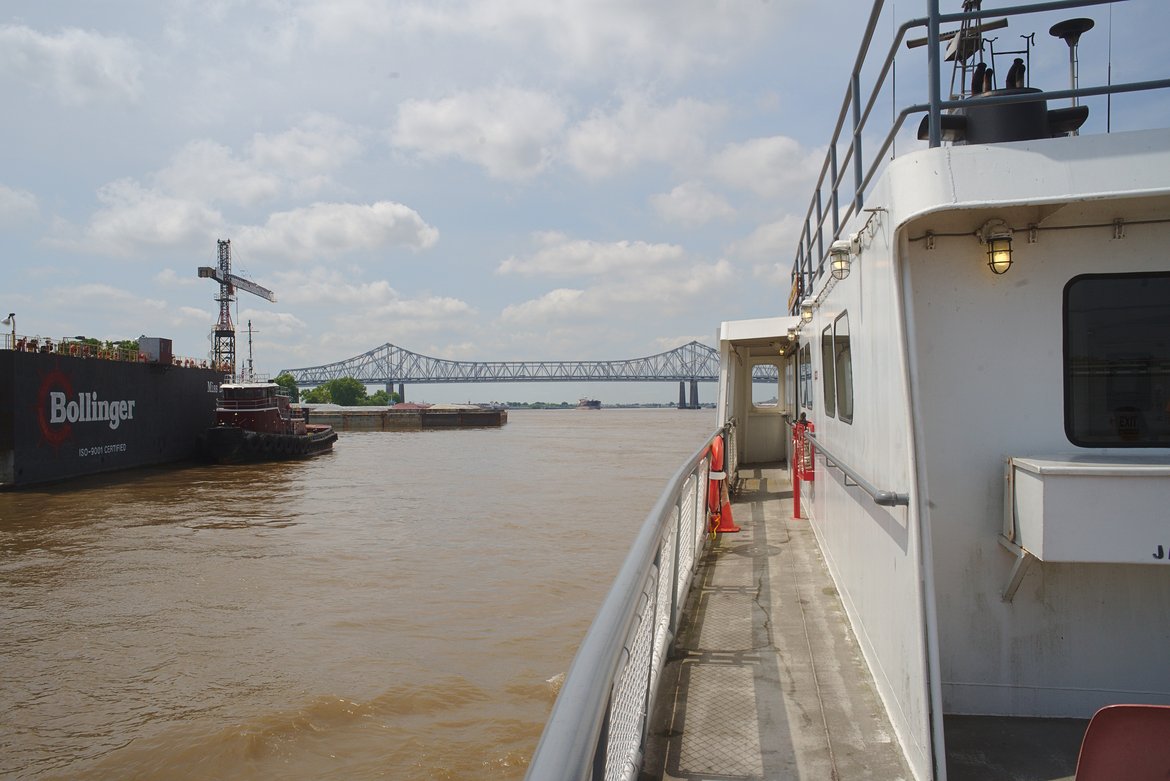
{"x":1126,"y":743}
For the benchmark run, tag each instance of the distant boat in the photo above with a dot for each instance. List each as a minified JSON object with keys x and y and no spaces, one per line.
{"x":588,"y":404}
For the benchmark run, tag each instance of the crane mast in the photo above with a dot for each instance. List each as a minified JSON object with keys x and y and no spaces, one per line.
{"x":224,"y":335}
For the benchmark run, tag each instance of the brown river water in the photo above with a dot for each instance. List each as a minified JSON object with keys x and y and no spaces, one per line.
{"x":401,"y":608}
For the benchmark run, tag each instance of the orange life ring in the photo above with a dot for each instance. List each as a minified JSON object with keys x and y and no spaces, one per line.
{"x":714,"y":492}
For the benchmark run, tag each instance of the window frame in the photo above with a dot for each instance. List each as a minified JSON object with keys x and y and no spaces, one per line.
{"x":828,"y":372}
{"x":843,"y":347}
{"x":1076,"y":434}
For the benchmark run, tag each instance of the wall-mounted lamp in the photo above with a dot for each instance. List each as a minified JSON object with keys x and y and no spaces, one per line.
{"x":996,"y":235}
{"x":839,"y":258}
{"x":806,"y":310}
{"x":792,"y":334}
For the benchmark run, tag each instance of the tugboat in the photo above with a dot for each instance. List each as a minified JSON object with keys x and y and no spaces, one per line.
{"x":589,"y":404}
{"x":254,"y":422}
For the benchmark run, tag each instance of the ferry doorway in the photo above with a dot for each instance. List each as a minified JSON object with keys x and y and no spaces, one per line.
{"x":764,"y":432}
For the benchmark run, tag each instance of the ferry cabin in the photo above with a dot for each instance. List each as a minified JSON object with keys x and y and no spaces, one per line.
{"x":1024,"y":416}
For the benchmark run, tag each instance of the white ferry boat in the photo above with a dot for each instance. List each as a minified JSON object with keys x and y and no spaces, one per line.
{"x":973,"y":432}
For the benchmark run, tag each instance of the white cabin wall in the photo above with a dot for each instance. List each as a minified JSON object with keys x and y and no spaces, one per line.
{"x":873,"y":551}
{"x":989,"y":360}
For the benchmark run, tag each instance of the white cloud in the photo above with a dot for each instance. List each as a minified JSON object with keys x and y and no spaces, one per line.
{"x":586,"y":38}
{"x":269,"y":325}
{"x":770,"y":240}
{"x":321,"y":285}
{"x":318,"y":144}
{"x":775,"y":242}
{"x":628,"y":297}
{"x":691,"y":204}
{"x":559,"y":304}
{"x":668,"y":343}
{"x":326,"y":230}
{"x":16,"y":206}
{"x":192,"y":316}
{"x":78,"y":66}
{"x":770,"y":167}
{"x":106,"y":296}
{"x":560,"y":255}
{"x":638,"y":132}
{"x":168,"y":277}
{"x":508,"y":131}
{"x":403,"y":321}
{"x":134,"y":217}
{"x":295,"y":161}
{"x":207,"y":171}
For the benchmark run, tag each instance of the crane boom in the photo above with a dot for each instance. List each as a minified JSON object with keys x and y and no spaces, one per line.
{"x":252,"y":287}
{"x":237,"y":281}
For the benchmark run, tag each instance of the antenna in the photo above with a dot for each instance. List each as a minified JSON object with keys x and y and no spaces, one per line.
{"x":251,"y":374}
{"x":1070,"y":31}
{"x":1109,"y":78}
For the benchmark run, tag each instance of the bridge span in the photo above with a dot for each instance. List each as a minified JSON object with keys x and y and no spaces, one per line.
{"x":690,"y":363}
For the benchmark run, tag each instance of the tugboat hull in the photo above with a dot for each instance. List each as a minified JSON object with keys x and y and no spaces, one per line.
{"x":234,"y":445}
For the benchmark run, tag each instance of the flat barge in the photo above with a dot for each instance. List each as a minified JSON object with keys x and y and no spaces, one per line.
{"x":408,"y":419}
{"x":67,"y":413}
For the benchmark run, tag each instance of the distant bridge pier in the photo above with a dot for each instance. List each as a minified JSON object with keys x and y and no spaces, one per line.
{"x":402,"y":391}
{"x":694,"y":394}
{"x":682,"y":394}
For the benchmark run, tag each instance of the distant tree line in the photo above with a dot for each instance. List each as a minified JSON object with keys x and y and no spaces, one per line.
{"x":344,"y":391}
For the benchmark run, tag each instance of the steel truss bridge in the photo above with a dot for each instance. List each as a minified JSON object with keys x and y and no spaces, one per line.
{"x":691,"y":363}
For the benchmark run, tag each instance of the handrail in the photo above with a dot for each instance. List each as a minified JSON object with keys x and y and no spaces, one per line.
{"x":574,"y":742}
{"x":835,"y":169}
{"x":76,"y":348}
{"x":880,"y":497}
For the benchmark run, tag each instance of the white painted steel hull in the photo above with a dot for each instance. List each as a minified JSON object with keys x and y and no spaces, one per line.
{"x":956,"y":369}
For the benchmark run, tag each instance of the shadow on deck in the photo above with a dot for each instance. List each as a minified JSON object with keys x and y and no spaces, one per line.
{"x":766,"y":679}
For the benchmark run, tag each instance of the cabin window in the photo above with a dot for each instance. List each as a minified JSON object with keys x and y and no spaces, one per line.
{"x":765,"y":396}
{"x":806,"y":387}
{"x":843,"y":368}
{"x":827,"y":371}
{"x":1117,"y":360}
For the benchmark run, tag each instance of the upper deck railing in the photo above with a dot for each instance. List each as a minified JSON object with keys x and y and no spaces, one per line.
{"x":77,"y":348}
{"x":845,"y":175}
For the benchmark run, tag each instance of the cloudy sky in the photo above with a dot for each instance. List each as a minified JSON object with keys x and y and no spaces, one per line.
{"x":480,"y":179}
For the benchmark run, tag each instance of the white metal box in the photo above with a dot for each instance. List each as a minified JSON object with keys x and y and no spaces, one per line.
{"x":1093,"y":508}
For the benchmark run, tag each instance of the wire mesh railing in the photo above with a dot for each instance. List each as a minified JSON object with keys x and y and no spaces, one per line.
{"x":598,"y":725}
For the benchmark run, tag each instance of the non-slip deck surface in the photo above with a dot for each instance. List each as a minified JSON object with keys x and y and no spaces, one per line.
{"x":767,"y":680}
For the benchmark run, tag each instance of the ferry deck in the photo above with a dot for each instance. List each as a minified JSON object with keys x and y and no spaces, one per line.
{"x":767,"y":681}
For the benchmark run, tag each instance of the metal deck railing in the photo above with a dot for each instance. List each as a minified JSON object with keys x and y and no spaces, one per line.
{"x":77,"y":348}
{"x":839,"y":197}
{"x":598,"y":724}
